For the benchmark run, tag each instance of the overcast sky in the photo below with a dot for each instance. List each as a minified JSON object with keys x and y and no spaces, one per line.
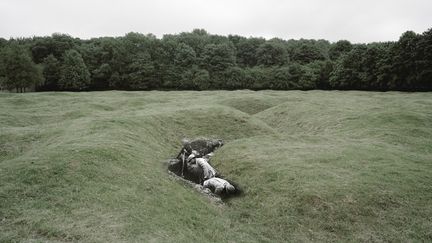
{"x":353,"y":20}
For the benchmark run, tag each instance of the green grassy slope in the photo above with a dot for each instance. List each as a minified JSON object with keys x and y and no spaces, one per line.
{"x":315,"y":166}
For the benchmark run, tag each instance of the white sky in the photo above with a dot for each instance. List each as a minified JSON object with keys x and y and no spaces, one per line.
{"x":354,"y":20}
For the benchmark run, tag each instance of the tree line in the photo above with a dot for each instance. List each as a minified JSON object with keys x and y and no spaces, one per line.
{"x":198,"y":60}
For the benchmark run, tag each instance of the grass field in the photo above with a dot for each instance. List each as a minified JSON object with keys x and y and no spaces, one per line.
{"x":315,"y":166}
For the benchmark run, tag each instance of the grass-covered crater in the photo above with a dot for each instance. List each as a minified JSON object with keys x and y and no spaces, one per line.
{"x":315,"y":166}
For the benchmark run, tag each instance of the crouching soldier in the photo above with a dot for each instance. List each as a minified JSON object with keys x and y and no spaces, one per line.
{"x":208,"y":171}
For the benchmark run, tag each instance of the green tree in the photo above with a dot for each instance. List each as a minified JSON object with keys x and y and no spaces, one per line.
{"x":218,"y":57}
{"x":247,"y":51}
{"x":56,"y":44}
{"x":197,"y":39}
{"x":3,"y":42}
{"x":17,"y":69}
{"x":271,"y":54}
{"x":194,"y":78}
{"x":258,"y":77}
{"x":201,"y":79}
{"x":74,"y":73}
{"x":141,"y":72}
{"x":51,"y":72}
{"x":374,"y":67}
{"x":404,"y":61}
{"x":281,"y":78}
{"x":321,"y":71}
{"x":100,"y":77}
{"x":185,"y":56}
{"x":307,"y":53}
{"x":184,"y":60}
{"x":296,"y":71}
{"x":348,"y":70}
{"x":232,"y":78}
{"x":339,"y":48}
{"x":41,"y":48}
{"x":312,"y":75}
{"x":424,"y":62}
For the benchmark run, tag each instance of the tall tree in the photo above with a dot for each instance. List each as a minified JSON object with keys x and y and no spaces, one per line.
{"x":347,"y":73}
{"x":247,"y":51}
{"x":218,"y":57}
{"x":194,"y":78}
{"x":3,"y":42}
{"x":74,"y":73}
{"x":339,"y":48}
{"x":51,"y":72}
{"x":56,"y":44}
{"x":306,"y":53}
{"x":404,"y":62}
{"x":185,"y":56}
{"x":424,"y":61}
{"x":141,"y":72}
{"x":17,"y":69}
{"x":271,"y":53}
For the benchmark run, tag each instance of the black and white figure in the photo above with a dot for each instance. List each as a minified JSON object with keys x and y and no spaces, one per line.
{"x":193,"y":164}
{"x":219,"y":186}
{"x":201,"y":147}
{"x":208,"y":170}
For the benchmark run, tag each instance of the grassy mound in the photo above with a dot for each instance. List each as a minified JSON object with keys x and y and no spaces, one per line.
{"x":315,"y":166}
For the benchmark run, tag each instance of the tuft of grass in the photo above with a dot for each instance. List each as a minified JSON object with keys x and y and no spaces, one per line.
{"x":315,"y":166}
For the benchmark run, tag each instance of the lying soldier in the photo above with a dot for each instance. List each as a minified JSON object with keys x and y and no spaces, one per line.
{"x":219,"y":186}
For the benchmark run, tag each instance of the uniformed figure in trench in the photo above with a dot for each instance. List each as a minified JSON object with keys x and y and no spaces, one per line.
{"x":193,"y":163}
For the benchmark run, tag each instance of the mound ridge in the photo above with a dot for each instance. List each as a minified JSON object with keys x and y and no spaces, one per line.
{"x":315,"y":166}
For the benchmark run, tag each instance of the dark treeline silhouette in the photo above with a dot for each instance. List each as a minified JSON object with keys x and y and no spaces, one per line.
{"x":198,"y":60}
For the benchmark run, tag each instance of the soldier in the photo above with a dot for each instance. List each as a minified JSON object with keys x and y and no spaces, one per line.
{"x":208,"y":170}
{"x":196,"y":149}
{"x":219,"y":186}
{"x":201,"y":146}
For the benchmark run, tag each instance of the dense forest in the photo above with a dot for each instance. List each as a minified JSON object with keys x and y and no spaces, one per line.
{"x":198,"y":60}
